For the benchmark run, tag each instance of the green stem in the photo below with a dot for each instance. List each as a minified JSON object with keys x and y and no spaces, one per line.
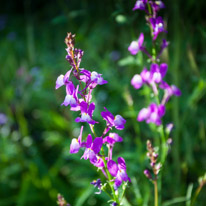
{"x":155,"y":193}
{"x":196,"y":194}
{"x":115,"y":197}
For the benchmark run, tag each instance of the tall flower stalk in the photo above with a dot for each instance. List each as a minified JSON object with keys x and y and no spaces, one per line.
{"x":79,"y":84}
{"x":154,"y":78}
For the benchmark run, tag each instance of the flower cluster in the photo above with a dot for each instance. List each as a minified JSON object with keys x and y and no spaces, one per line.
{"x":152,"y":155}
{"x":79,"y":98}
{"x":154,"y":77}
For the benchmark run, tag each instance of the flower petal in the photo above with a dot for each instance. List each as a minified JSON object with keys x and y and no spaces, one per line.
{"x":97,"y":144}
{"x":75,"y":146}
{"x":59,"y":81}
{"x":137,"y":81}
{"x":112,"y":167}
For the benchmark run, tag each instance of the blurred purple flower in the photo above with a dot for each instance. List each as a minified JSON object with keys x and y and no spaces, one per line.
{"x":63,"y":79}
{"x":97,"y":183}
{"x":153,"y":114}
{"x":140,"y":4}
{"x":3,"y":119}
{"x":169,"y":91}
{"x":158,"y":72}
{"x":76,"y":144}
{"x":135,"y":46}
{"x":112,"y":138}
{"x":157,"y":26}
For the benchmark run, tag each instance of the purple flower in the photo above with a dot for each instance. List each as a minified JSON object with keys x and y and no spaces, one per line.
{"x":140,"y":4}
{"x":157,"y":5}
{"x":112,"y":138}
{"x":158,"y":72}
{"x":169,"y":128}
{"x":164,"y":45}
{"x":135,"y":46}
{"x":3,"y":119}
{"x":99,"y":163}
{"x":63,"y":79}
{"x":92,"y":148}
{"x":118,"y":121}
{"x":155,"y":75}
{"x":95,"y":77}
{"x":86,"y":113}
{"x":76,"y":143}
{"x":118,"y":171}
{"x":157,"y":26}
{"x":97,"y":183}
{"x":169,"y":91}
{"x":146,"y":76}
{"x":153,"y":114}
{"x":71,"y":97}
{"x":137,"y":81}
{"x":92,"y":78}
{"x":148,"y":174}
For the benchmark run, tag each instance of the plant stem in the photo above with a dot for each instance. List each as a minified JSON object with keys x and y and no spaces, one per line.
{"x":155,"y":192}
{"x":196,"y":194}
{"x":115,"y":197}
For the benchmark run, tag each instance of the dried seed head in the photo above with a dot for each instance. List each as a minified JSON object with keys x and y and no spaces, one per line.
{"x":70,"y":40}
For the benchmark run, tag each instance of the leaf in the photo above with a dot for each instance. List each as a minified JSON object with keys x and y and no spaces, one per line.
{"x":189,"y":194}
{"x":175,"y":200}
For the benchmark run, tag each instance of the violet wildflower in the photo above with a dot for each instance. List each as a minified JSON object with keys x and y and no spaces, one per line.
{"x":157,"y":25}
{"x":169,"y":128}
{"x":86,"y":113}
{"x":136,"y":46}
{"x":148,"y":174}
{"x":118,"y":171}
{"x":112,"y":138}
{"x":92,"y":148}
{"x":157,"y":5}
{"x":79,"y":98}
{"x":155,"y":80}
{"x":114,"y":204}
{"x":63,"y":79}
{"x":92,"y":78}
{"x":153,"y":114}
{"x":118,"y":121}
{"x":153,"y":77}
{"x":76,"y":143}
{"x":140,"y":4}
{"x":71,"y":97}
{"x":97,"y":183}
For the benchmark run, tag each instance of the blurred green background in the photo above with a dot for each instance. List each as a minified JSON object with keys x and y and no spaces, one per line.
{"x":35,"y":163}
